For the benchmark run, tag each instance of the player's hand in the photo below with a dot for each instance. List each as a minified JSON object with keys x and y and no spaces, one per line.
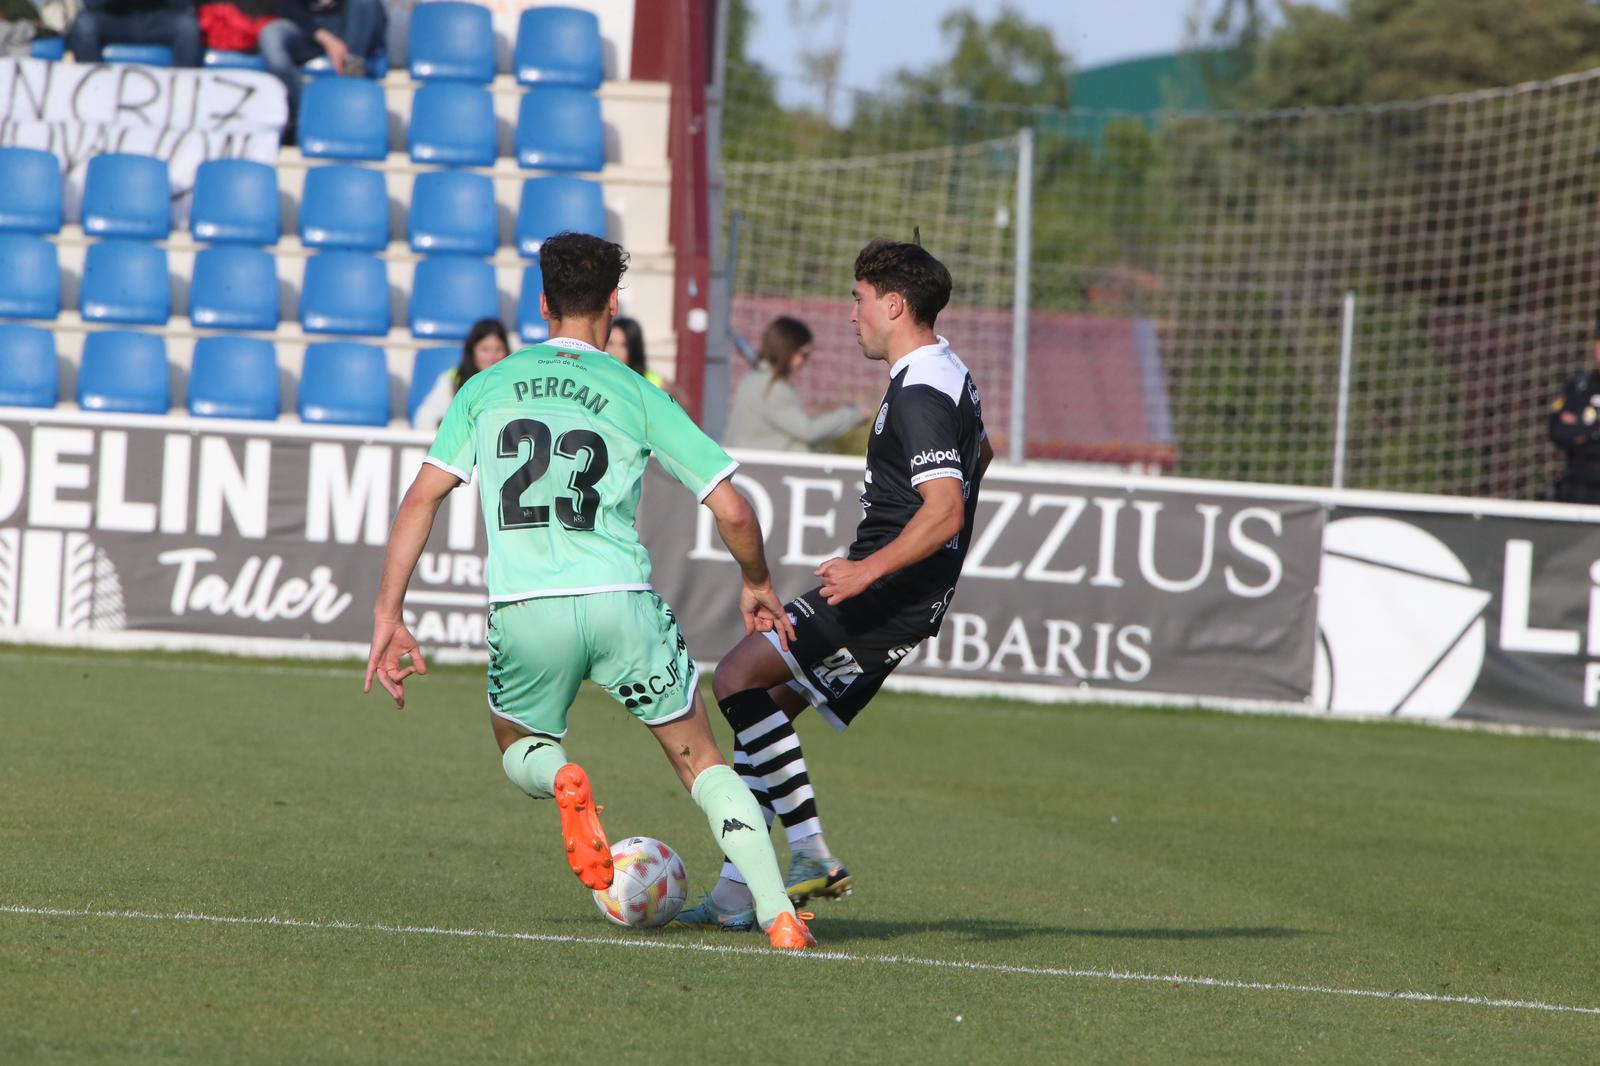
{"x":843,"y":579}
{"x":764,"y":613}
{"x":392,"y":641}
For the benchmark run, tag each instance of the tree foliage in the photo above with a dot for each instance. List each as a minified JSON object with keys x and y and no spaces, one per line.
{"x":1008,"y":61}
{"x":1377,"y":51}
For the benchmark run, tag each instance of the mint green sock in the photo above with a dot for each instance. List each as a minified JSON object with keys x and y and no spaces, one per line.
{"x":532,"y":762}
{"x":740,"y":831}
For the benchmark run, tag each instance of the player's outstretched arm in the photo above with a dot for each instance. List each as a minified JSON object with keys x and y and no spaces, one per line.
{"x":741,"y":532}
{"x":938,"y":520}
{"x":391,"y":641}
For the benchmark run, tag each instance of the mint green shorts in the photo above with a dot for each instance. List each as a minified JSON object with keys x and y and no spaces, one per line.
{"x":628,"y":643}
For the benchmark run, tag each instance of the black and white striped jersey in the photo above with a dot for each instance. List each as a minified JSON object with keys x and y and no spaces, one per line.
{"x":930,"y":425}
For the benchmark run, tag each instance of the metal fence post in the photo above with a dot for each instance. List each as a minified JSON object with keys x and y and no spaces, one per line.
{"x":1347,"y":343}
{"x":1023,"y":248}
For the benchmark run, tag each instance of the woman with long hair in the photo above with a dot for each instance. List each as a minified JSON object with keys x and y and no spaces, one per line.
{"x":768,"y":412}
{"x":486,"y":345}
{"x":625,"y":343}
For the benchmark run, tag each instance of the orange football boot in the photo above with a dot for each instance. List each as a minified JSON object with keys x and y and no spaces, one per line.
{"x":587,"y":851}
{"x":790,"y":933}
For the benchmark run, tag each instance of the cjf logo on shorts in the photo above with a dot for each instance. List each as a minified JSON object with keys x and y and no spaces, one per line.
{"x":838,"y":671}
{"x":55,"y":580}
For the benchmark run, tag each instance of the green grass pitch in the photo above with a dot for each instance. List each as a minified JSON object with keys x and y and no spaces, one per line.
{"x":1035,"y":884}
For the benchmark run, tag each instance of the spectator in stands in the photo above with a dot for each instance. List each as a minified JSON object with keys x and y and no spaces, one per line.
{"x":346,"y":31}
{"x":767,"y":411}
{"x":24,"y":21}
{"x":626,"y":343}
{"x":1575,"y":429}
{"x":165,"y":22}
{"x":486,"y":345}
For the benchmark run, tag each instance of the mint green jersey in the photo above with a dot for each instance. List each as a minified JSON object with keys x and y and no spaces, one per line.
{"x":560,"y":433}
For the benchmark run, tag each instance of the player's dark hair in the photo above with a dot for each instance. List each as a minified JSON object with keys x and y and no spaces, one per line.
{"x":632,"y":340}
{"x":580,"y":271}
{"x":908,"y":269}
{"x":782,"y":338}
{"x":484,"y":327}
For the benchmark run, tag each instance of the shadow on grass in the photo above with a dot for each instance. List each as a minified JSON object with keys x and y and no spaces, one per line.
{"x":981,"y":930}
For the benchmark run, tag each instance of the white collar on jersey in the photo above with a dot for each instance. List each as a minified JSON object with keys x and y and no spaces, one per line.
{"x":568,"y":342}
{"x":939,"y":347}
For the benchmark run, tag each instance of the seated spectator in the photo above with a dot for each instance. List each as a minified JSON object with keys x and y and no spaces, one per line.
{"x":486,"y":345}
{"x":165,"y":22}
{"x":767,"y":411}
{"x":24,"y":21}
{"x":626,"y":343}
{"x":346,"y":31}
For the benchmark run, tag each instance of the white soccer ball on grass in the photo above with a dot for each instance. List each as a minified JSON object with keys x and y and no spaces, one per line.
{"x":648,"y":886}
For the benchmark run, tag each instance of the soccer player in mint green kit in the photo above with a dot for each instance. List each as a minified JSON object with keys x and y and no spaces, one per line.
{"x":560,"y":433}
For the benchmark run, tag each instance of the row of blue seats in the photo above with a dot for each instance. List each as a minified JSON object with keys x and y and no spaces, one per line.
{"x":236,"y":287}
{"x":124,"y":371}
{"x":558,"y":128}
{"x":342,"y":206}
{"x":447,"y":41}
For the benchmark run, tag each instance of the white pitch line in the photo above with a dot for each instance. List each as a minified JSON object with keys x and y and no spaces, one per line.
{"x":818,"y":956}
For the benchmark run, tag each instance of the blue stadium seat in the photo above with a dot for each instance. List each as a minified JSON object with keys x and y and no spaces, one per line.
{"x":127,"y":196}
{"x":451,"y":41}
{"x":345,"y":292}
{"x":30,"y":280}
{"x":531,"y":327}
{"x":216,"y":57}
{"x":452,"y":124}
{"x":29,"y":374}
{"x":149,"y":55}
{"x":343,"y":118}
{"x":560,"y":129}
{"x":345,"y":383}
{"x":125,"y":281}
{"x":559,"y":202}
{"x":558,"y":46}
{"x":449,"y":294}
{"x":234,"y":377}
{"x":30,"y":191}
{"x":453,"y":211}
{"x":344,"y":207}
{"x":431,"y":362}
{"x":124,"y":371}
{"x":235,"y":200}
{"x":234,"y":287}
{"x":51,"y":48}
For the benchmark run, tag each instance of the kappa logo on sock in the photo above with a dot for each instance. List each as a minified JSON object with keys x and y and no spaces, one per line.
{"x":534,"y":748}
{"x":730,"y":824}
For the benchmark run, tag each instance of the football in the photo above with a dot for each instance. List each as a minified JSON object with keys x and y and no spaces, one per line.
{"x":648,"y":887}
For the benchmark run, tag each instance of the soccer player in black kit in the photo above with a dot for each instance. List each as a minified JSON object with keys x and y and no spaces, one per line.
{"x":925,"y":459}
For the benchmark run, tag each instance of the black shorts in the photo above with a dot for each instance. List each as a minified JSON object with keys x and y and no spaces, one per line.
{"x":840,"y":655}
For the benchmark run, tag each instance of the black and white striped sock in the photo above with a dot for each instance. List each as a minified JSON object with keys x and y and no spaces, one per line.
{"x":765,"y":737}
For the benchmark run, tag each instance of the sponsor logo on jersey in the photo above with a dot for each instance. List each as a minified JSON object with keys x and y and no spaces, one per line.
{"x":896,"y":654}
{"x":883,"y":413}
{"x":838,"y":671}
{"x":942,"y":455}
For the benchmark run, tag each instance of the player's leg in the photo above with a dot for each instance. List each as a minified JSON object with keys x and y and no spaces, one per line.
{"x":641,"y":659}
{"x":535,"y":667}
{"x":730,"y":809}
{"x":751,"y":686}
